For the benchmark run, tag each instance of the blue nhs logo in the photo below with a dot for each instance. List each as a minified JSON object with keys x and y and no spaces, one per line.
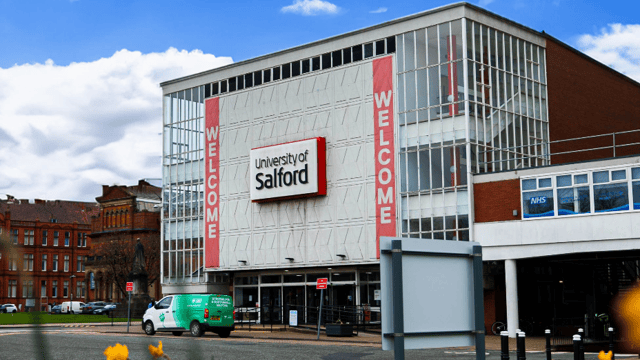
{"x":538,"y":200}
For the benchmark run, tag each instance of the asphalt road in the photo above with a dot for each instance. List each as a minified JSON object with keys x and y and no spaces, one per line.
{"x":72,"y":344}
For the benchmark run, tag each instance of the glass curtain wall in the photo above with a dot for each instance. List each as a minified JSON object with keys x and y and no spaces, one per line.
{"x":183,"y":179}
{"x":471,"y":99}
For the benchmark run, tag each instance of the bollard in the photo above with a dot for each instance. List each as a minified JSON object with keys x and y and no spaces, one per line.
{"x":504,"y":345}
{"x":547,"y":335}
{"x":611,"y":344}
{"x":581,"y":333}
{"x":576,"y":347}
{"x":520,"y":348}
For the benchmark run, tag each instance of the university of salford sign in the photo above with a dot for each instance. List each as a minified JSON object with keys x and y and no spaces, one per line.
{"x":290,"y":170}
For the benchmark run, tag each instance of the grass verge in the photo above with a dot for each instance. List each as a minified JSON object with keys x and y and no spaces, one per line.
{"x":46,"y":318}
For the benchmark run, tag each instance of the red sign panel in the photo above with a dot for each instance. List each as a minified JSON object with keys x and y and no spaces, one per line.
{"x":384,"y":149}
{"x":322,"y":283}
{"x":212,"y":183}
{"x":129,"y":286}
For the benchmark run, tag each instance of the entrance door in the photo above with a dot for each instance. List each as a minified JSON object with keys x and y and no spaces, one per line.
{"x":294,"y":300}
{"x":342,"y":303}
{"x":270,"y":305}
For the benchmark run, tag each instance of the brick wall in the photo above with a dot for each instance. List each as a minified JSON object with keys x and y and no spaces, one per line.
{"x":588,"y":98}
{"x":495,"y":201}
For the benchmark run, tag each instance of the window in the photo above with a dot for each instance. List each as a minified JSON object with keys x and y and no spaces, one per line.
{"x":56,"y":235}
{"x":537,"y":198}
{"x":44,"y":262}
{"x":55,"y":263}
{"x":28,"y":237}
{"x":635,"y":185}
{"x":80,"y":289}
{"x":14,"y":236}
{"x":80,"y":264}
{"x":165,"y":303}
{"x":65,"y":289}
{"x":44,"y":237}
{"x":67,"y":236}
{"x":54,"y":288}
{"x":43,"y":288}
{"x":12,"y":292}
{"x":612,"y":196}
{"x":27,"y":289}
{"x":573,"y":194}
{"x":13,"y":263}
{"x":27,"y":264}
{"x":66,"y":263}
{"x":82,"y":239}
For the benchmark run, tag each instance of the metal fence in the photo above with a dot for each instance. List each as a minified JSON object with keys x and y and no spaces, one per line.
{"x":362,"y":317}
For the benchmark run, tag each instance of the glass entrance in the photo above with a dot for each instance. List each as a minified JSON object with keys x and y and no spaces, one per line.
{"x":294,"y":300}
{"x":270,"y":305}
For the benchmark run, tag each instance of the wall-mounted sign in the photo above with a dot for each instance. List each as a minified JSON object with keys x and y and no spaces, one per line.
{"x":290,"y":170}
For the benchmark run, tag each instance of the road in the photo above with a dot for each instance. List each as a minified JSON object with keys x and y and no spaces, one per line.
{"x":90,"y":343}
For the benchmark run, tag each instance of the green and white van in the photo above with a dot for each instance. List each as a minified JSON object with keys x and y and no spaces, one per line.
{"x":195,"y":313}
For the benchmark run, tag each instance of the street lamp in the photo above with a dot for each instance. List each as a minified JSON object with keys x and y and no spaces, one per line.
{"x":71,"y":289}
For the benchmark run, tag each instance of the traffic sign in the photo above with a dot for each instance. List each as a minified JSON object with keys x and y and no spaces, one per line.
{"x":130,"y":286}
{"x":322,"y":283}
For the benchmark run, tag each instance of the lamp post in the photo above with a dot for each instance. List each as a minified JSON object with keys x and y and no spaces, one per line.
{"x":71,"y":290}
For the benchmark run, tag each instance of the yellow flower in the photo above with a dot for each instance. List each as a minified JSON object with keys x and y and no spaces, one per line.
{"x":156,"y":352}
{"x":603,"y":356}
{"x":118,"y":352}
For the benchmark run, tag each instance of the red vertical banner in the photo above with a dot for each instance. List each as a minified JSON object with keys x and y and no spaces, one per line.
{"x":453,"y":74}
{"x":383,"y":117}
{"x":212,"y":183}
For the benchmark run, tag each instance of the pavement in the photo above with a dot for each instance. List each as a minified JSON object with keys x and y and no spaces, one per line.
{"x":284,"y":333}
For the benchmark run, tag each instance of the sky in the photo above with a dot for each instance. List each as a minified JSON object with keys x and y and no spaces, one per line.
{"x":80,"y":101}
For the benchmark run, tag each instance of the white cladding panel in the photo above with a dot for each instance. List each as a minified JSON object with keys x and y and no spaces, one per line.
{"x":337,"y":105}
{"x":557,"y":236}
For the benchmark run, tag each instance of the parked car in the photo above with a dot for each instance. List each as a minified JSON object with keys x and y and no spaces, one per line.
{"x":56,"y":309}
{"x":88,"y":308}
{"x":71,"y":307}
{"x":105,"y":310}
{"x":195,"y":313}
{"x":8,"y":308}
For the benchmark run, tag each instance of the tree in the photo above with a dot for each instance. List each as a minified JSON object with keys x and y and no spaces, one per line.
{"x":115,"y":257}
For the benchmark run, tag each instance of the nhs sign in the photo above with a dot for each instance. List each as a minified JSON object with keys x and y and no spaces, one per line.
{"x":538,"y":200}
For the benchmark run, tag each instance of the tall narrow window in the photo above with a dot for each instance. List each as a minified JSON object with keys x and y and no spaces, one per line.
{"x":28,"y":237}
{"x":43,"y":288}
{"x":66,"y":263}
{"x":56,"y":235}
{"x":55,"y":263}
{"x":44,"y":262}
{"x":54,"y":288}
{"x":80,"y":264}
{"x":67,"y":236}
{"x":13,"y":289}
{"x":65,"y":289}
{"x":45,"y":234}
{"x":14,"y":236}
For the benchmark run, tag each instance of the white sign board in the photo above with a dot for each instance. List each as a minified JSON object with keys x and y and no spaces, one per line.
{"x":376,"y":295}
{"x":288,"y":170}
{"x":293,"y":317}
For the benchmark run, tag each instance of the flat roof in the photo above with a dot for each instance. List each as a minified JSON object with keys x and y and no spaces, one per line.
{"x":356,"y":32}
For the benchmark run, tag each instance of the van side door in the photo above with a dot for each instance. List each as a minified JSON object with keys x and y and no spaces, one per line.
{"x":163,"y":314}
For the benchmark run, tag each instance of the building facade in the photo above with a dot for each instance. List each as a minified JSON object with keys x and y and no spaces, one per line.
{"x":126,"y":214}
{"x":409,"y":112}
{"x":49,"y":241}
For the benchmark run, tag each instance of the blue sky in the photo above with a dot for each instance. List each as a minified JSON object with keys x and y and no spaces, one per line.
{"x":86,"y":30}
{"x":80,"y":103}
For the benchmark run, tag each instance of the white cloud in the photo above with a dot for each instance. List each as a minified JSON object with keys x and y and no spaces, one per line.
{"x":380,"y":10}
{"x":617,"y":46}
{"x":66,"y":130}
{"x":311,"y":7}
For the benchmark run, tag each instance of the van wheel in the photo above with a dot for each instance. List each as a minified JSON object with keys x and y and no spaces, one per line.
{"x":224,"y":333}
{"x":196,"y":329}
{"x":148,"y":328}
{"x":177,"y":333}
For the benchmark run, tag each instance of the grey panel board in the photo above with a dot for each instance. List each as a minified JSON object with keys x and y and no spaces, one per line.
{"x":437,"y":292}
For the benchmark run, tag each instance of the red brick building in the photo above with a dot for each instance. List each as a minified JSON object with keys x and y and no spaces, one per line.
{"x":126,"y":213}
{"x":51,"y":239}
